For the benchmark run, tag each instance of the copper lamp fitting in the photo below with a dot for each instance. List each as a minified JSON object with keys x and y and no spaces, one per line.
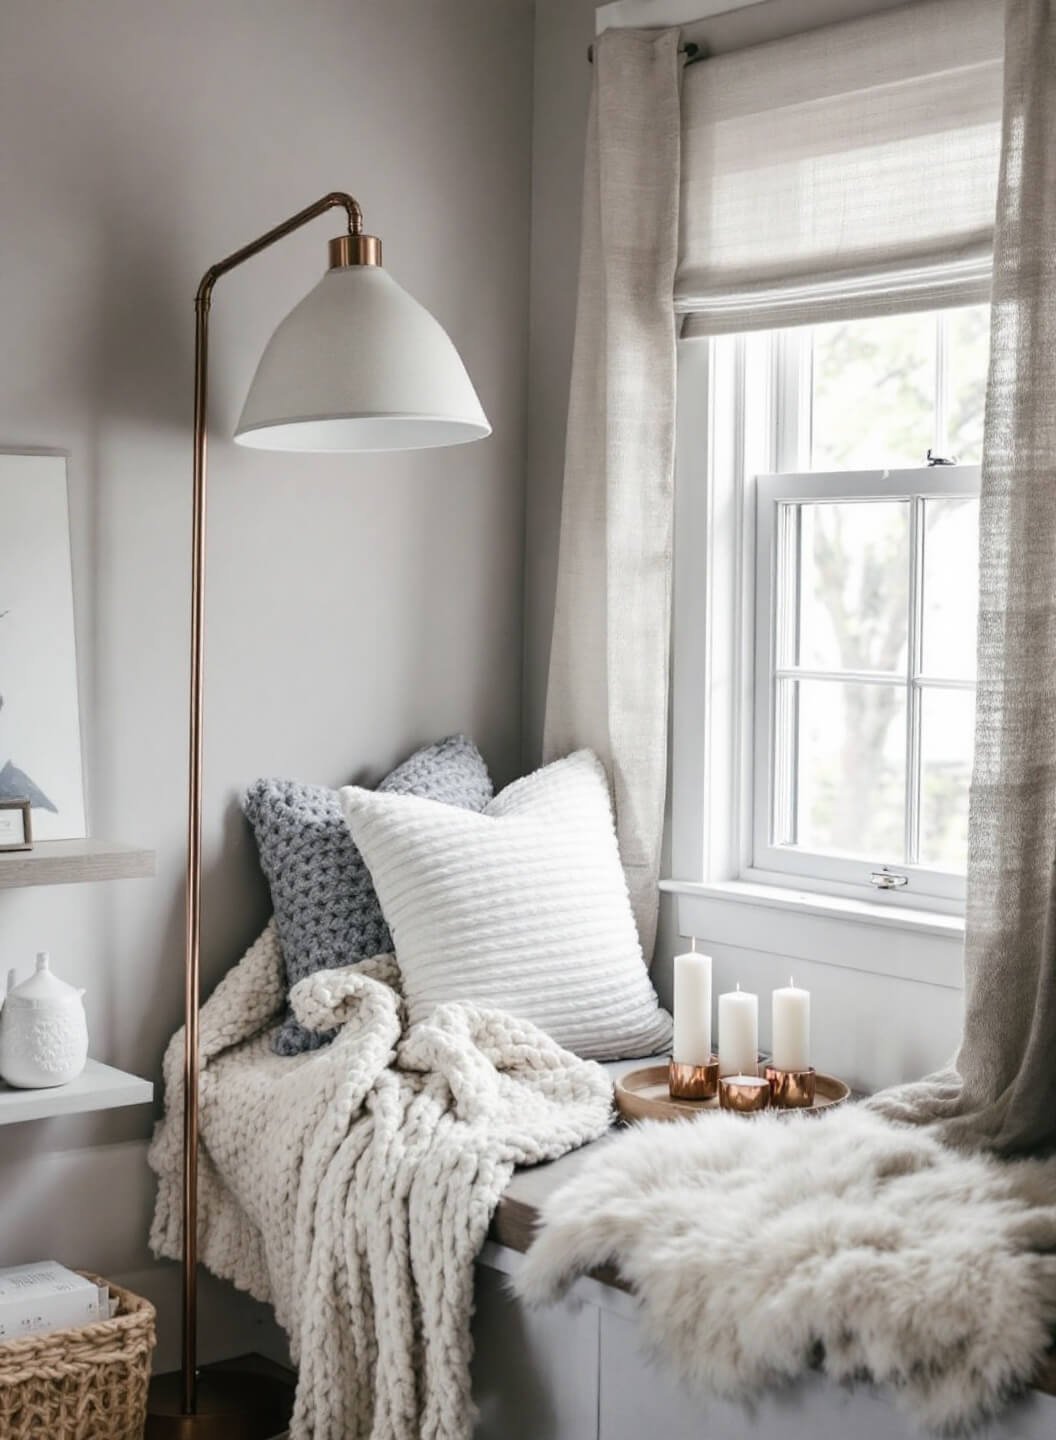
{"x":354,"y":249}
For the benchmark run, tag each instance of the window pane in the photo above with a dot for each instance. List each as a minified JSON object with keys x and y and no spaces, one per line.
{"x":951,"y":587}
{"x":854,"y":585}
{"x":947,"y":722}
{"x":874,"y":392}
{"x":968,"y":355}
{"x":851,"y":766}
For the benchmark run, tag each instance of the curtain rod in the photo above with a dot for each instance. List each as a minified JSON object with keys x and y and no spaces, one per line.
{"x":691,"y":50}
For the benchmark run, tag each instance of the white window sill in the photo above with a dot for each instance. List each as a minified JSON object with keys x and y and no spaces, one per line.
{"x":879,"y":938}
{"x":810,"y":902}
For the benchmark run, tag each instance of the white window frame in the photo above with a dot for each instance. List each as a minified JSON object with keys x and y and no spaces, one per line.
{"x":742,"y":414}
{"x":774,"y":862}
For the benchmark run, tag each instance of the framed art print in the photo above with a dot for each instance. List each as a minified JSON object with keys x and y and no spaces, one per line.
{"x":16,"y":825}
{"x":40,"y":729}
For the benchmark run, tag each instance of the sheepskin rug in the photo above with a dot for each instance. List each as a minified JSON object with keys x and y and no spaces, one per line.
{"x":760,"y":1248}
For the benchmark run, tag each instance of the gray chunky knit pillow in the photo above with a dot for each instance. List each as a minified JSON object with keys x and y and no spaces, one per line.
{"x":326,"y":911}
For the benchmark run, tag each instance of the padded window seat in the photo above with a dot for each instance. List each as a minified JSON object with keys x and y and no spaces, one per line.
{"x":517,"y":1217}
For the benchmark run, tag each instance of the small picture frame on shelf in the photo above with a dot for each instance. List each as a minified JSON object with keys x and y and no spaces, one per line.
{"x":16,"y":825}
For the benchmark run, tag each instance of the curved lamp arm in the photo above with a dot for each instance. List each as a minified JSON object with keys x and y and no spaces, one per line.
{"x":189,"y":1351}
{"x":279,"y":232}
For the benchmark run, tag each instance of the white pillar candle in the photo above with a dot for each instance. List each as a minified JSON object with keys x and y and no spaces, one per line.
{"x":738,"y":1033}
{"x":791,"y":1028}
{"x":692,"y":1042}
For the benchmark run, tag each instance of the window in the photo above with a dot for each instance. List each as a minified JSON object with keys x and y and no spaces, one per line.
{"x":822,"y":688}
{"x":866,"y":599}
{"x":842,"y":592}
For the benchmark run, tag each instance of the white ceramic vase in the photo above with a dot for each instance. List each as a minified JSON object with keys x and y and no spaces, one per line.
{"x":43,"y":1030}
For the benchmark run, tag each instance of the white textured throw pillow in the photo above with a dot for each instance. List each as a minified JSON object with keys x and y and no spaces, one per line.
{"x":523,"y":907}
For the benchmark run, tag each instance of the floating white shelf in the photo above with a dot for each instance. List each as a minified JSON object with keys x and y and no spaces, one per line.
{"x":69,"y":862}
{"x":100,"y":1087}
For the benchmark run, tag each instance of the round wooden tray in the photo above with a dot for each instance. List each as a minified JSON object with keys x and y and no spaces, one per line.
{"x":643,"y":1095}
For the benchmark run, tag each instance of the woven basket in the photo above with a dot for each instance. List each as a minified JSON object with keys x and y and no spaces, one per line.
{"x":84,"y":1384}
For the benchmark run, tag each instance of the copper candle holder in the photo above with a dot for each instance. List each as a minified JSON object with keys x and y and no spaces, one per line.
{"x":693,"y":1082}
{"x":744,"y":1094}
{"x":792,"y":1089}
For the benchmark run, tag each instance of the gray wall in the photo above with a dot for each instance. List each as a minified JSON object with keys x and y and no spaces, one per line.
{"x":357,"y":606}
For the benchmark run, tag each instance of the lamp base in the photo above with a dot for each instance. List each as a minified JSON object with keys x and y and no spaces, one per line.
{"x":245,"y":1399}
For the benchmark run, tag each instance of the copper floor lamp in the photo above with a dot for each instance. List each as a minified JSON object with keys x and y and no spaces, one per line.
{"x":358,"y":365}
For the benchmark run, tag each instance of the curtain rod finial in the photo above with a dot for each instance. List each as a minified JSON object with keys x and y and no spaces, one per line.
{"x":691,"y":50}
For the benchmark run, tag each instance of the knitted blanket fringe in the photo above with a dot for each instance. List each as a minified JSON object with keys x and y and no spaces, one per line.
{"x":352,"y":1187}
{"x":762,"y":1249}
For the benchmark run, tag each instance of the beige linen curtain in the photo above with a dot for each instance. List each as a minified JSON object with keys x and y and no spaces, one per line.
{"x":609,"y":653}
{"x":1002,"y":1092}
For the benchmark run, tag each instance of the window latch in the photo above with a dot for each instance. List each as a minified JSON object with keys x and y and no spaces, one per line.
{"x":887,"y":880}
{"x":934,"y":460}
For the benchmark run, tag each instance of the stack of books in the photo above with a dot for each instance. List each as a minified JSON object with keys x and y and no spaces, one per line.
{"x":37,"y":1299}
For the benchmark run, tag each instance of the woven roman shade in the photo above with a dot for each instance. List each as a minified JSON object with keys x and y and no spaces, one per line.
{"x":848,"y":171}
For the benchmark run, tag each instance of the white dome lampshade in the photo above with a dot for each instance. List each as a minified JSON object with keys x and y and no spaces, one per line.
{"x":360,"y":365}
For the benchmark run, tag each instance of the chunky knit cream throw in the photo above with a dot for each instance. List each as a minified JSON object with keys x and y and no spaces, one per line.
{"x":353,"y":1186}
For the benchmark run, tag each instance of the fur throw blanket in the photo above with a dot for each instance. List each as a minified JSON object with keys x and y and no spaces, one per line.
{"x":353,"y":1186}
{"x":760,"y":1249}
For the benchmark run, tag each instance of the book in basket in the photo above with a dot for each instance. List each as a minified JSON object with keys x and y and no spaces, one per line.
{"x":40,"y":1298}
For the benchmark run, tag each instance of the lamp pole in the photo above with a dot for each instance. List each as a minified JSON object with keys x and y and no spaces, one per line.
{"x":227,"y":1399}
